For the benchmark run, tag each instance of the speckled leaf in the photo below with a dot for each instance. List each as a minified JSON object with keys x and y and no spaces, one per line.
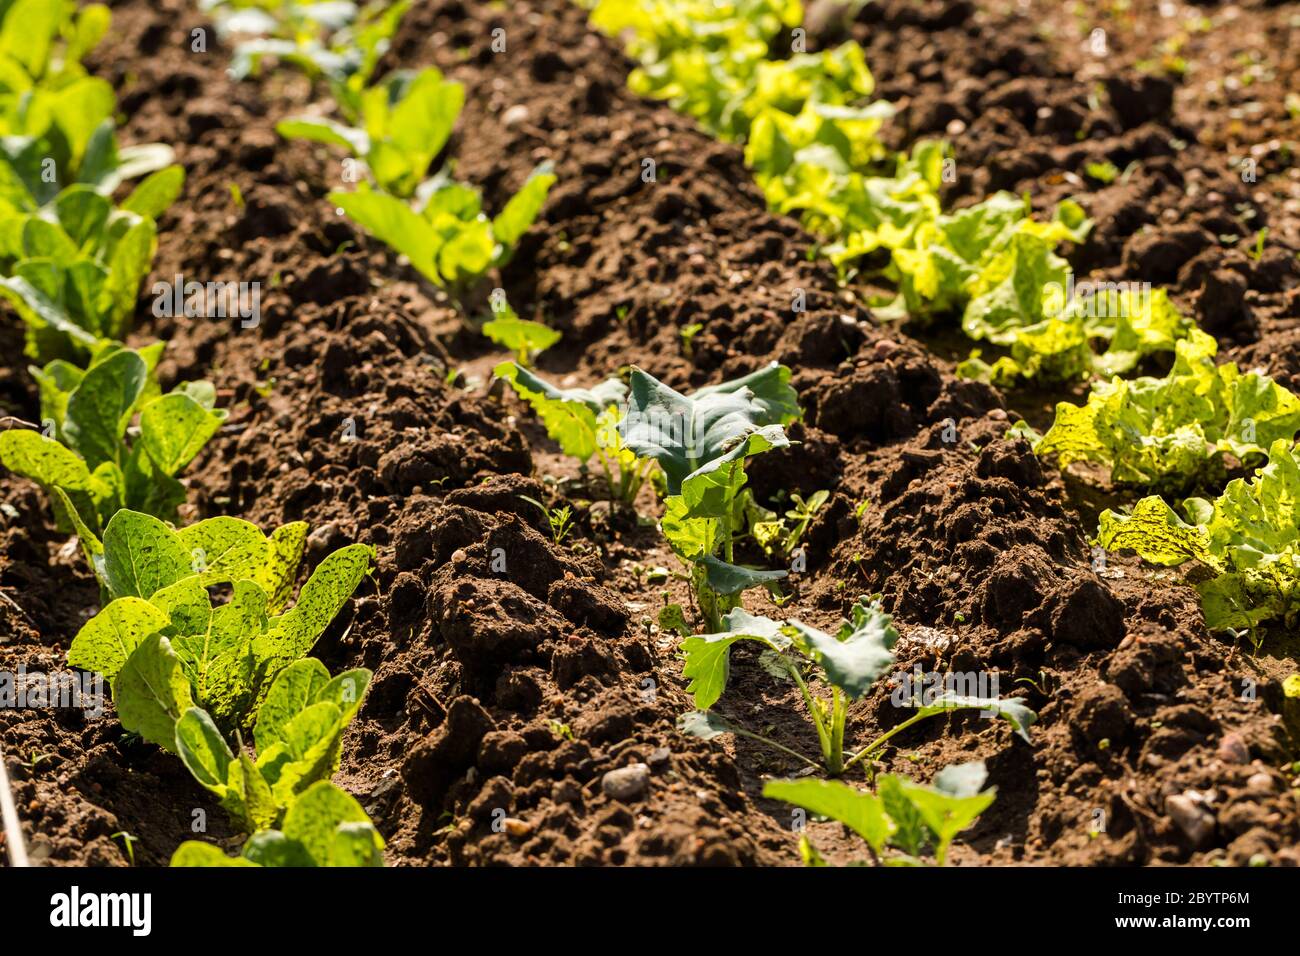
{"x":225,"y":549}
{"x":323,"y":596}
{"x":203,"y":750}
{"x":43,"y":460}
{"x":175,"y":428}
{"x":315,"y":817}
{"x":293,"y":689}
{"x":277,"y":574}
{"x":142,"y":555}
{"x":357,"y":844}
{"x":107,"y":640}
{"x":347,"y":691}
{"x":100,"y":407}
{"x":151,"y":692}
{"x":308,"y":751}
{"x":189,"y":615}
{"x":273,"y":848}
{"x":194,"y":853}
{"x":260,"y":808}
{"x":91,"y":546}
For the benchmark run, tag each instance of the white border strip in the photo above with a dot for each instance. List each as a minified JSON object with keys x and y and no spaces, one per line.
{"x":13,"y":830}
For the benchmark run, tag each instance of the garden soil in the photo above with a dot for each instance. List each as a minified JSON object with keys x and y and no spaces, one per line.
{"x":511,"y":673}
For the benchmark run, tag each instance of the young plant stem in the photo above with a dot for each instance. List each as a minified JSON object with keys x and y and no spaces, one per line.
{"x":740,"y":731}
{"x":879,"y":742}
{"x":825,"y":735}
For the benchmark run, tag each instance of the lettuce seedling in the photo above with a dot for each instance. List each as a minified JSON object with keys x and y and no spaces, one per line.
{"x":447,"y":237}
{"x":525,"y":337}
{"x":94,"y":463}
{"x":73,"y":270}
{"x":850,"y":661}
{"x":1056,"y":342}
{"x":165,"y":646}
{"x":404,"y":124}
{"x":299,"y":736}
{"x":1249,"y":537}
{"x":57,"y":124}
{"x":323,"y":827}
{"x":42,"y":43}
{"x":700,"y":443}
{"x":783,"y":533}
{"x":338,"y":42}
{"x":582,"y":421}
{"x":901,"y":814}
{"x":1172,"y":432}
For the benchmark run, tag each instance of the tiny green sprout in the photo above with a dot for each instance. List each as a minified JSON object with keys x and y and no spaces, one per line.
{"x":35,"y":759}
{"x":1104,"y":172}
{"x":560,"y":519}
{"x":861,"y":508}
{"x":1260,"y":237}
{"x":1103,"y":744}
{"x":525,"y":337}
{"x":687,"y":334}
{"x":560,"y":729}
{"x":959,"y":618}
{"x":802,"y":514}
{"x":1038,"y":685}
{"x":237,"y":195}
{"x":621,"y":312}
{"x":657,"y":575}
{"x":128,"y":844}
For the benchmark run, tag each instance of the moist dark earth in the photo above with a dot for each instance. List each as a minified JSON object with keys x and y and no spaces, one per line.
{"x":500,"y":699}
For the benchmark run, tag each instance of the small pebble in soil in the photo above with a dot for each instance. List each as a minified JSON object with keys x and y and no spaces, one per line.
{"x":1233,"y":749}
{"x":1260,"y":783}
{"x":514,"y":116}
{"x":1195,"y":822}
{"x":626,"y":783}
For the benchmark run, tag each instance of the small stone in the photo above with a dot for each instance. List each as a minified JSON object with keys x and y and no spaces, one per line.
{"x":885,"y":348}
{"x":517,"y":828}
{"x":1189,"y":817}
{"x":458,"y":556}
{"x":626,"y":783}
{"x":1233,"y":749}
{"x":1260,"y":783}
{"x":514,"y":116}
{"x":658,"y":758}
{"x":998,"y":414}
